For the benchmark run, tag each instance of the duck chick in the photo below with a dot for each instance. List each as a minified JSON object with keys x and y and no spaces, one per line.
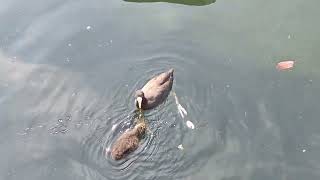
{"x":128,"y":142}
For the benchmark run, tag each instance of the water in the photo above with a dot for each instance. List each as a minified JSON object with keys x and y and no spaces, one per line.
{"x":69,"y":69}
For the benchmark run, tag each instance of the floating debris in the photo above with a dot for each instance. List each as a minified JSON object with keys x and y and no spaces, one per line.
{"x":289,"y":36}
{"x":180,"y":147}
{"x":182,"y":110}
{"x":304,"y":150}
{"x":285,"y":65}
{"x":88,"y":28}
{"x":114,"y":127}
{"x":190,"y":124}
{"x":107,"y":150}
{"x":69,"y":44}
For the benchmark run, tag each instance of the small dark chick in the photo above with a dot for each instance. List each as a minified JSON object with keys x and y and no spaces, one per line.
{"x":128,"y":141}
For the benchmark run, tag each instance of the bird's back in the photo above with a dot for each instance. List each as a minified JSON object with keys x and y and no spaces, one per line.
{"x":157,"y":89}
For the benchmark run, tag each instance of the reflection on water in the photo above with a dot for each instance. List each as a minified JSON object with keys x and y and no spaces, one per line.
{"x":69,"y":70}
{"x":185,"y":2}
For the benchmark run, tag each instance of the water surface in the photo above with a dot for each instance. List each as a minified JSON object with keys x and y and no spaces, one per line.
{"x":69,"y":69}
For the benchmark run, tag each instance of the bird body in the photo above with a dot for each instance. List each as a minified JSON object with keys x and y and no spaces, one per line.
{"x":155,"y":91}
{"x":128,"y":142}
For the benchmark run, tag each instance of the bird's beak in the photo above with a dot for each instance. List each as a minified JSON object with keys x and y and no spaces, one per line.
{"x":139,"y":100}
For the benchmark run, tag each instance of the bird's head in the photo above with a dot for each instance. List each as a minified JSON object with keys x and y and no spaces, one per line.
{"x":139,"y":99}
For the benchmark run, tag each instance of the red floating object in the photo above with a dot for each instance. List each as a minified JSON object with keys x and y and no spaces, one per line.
{"x":285,"y":65}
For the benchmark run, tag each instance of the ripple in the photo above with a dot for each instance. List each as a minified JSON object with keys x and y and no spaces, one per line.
{"x":158,"y":155}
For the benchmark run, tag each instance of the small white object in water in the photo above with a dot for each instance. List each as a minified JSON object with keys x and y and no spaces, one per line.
{"x":69,"y":44}
{"x":88,"y":28}
{"x":107,"y":149}
{"x":180,"y":112}
{"x":304,"y":150}
{"x":289,"y":36}
{"x":182,"y":109}
{"x":180,"y":147}
{"x":190,"y":124}
{"x":114,"y":127}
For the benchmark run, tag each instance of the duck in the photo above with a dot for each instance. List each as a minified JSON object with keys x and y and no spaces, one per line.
{"x":128,"y":142}
{"x":155,"y":91}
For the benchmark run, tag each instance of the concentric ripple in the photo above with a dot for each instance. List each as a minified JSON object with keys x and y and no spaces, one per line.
{"x":158,"y":156}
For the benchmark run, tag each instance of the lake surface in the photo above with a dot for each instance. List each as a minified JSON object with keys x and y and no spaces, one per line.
{"x":69,"y":70}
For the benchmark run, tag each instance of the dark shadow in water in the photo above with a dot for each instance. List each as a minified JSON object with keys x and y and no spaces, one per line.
{"x":185,"y":2}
